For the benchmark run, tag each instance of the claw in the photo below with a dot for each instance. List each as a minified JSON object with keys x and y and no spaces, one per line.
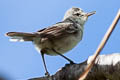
{"x":47,"y":74}
{"x":71,"y":62}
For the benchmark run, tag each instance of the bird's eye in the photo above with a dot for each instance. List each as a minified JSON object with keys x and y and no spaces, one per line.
{"x":77,"y":14}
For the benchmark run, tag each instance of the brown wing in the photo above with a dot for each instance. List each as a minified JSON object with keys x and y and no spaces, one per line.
{"x":58,"y":30}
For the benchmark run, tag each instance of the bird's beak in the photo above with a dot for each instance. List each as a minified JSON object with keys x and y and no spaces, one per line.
{"x":90,"y":13}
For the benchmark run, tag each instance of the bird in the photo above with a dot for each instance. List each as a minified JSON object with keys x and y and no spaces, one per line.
{"x":59,"y":38}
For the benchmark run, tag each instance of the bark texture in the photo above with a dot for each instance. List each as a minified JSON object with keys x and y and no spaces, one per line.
{"x":107,"y":67}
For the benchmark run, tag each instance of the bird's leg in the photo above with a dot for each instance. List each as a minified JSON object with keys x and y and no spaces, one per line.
{"x":46,"y":73}
{"x":71,"y":62}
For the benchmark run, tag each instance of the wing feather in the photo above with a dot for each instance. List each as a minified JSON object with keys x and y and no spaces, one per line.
{"x":58,"y":30}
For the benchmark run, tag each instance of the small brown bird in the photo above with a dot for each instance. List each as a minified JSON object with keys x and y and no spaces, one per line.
{"x":58,"y":38}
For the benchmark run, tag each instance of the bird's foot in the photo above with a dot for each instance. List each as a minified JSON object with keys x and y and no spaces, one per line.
{"x":71,"y":62}
{"x":47,"y":74}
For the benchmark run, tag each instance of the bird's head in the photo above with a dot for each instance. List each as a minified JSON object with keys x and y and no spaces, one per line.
{"x":78,"y":15}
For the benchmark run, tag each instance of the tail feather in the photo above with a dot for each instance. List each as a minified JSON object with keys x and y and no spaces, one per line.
{"x":20,"y":36}
{"x":15,"y":39}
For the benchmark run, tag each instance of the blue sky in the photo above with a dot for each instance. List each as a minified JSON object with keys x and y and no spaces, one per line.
{"x":21,"y":60}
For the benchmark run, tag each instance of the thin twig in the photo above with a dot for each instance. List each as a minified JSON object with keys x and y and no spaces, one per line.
{"x":101,"y":46}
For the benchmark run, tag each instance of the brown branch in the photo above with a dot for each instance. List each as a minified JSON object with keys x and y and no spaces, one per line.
{"x":101,"y":46}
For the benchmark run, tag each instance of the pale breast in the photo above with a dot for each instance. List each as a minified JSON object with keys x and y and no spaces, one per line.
{"x":67,"y":43}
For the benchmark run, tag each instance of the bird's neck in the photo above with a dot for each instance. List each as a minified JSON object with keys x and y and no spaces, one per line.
{"x":74,"y":21}
{"x":77,"y":22}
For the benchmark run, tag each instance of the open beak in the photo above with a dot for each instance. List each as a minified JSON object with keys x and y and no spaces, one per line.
{"x":90,"y":13}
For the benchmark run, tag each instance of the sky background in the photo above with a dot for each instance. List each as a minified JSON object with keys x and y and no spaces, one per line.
{"x":20,"y":60}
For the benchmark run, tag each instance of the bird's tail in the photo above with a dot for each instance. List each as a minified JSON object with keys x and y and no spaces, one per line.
{"x":21,"y":36}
